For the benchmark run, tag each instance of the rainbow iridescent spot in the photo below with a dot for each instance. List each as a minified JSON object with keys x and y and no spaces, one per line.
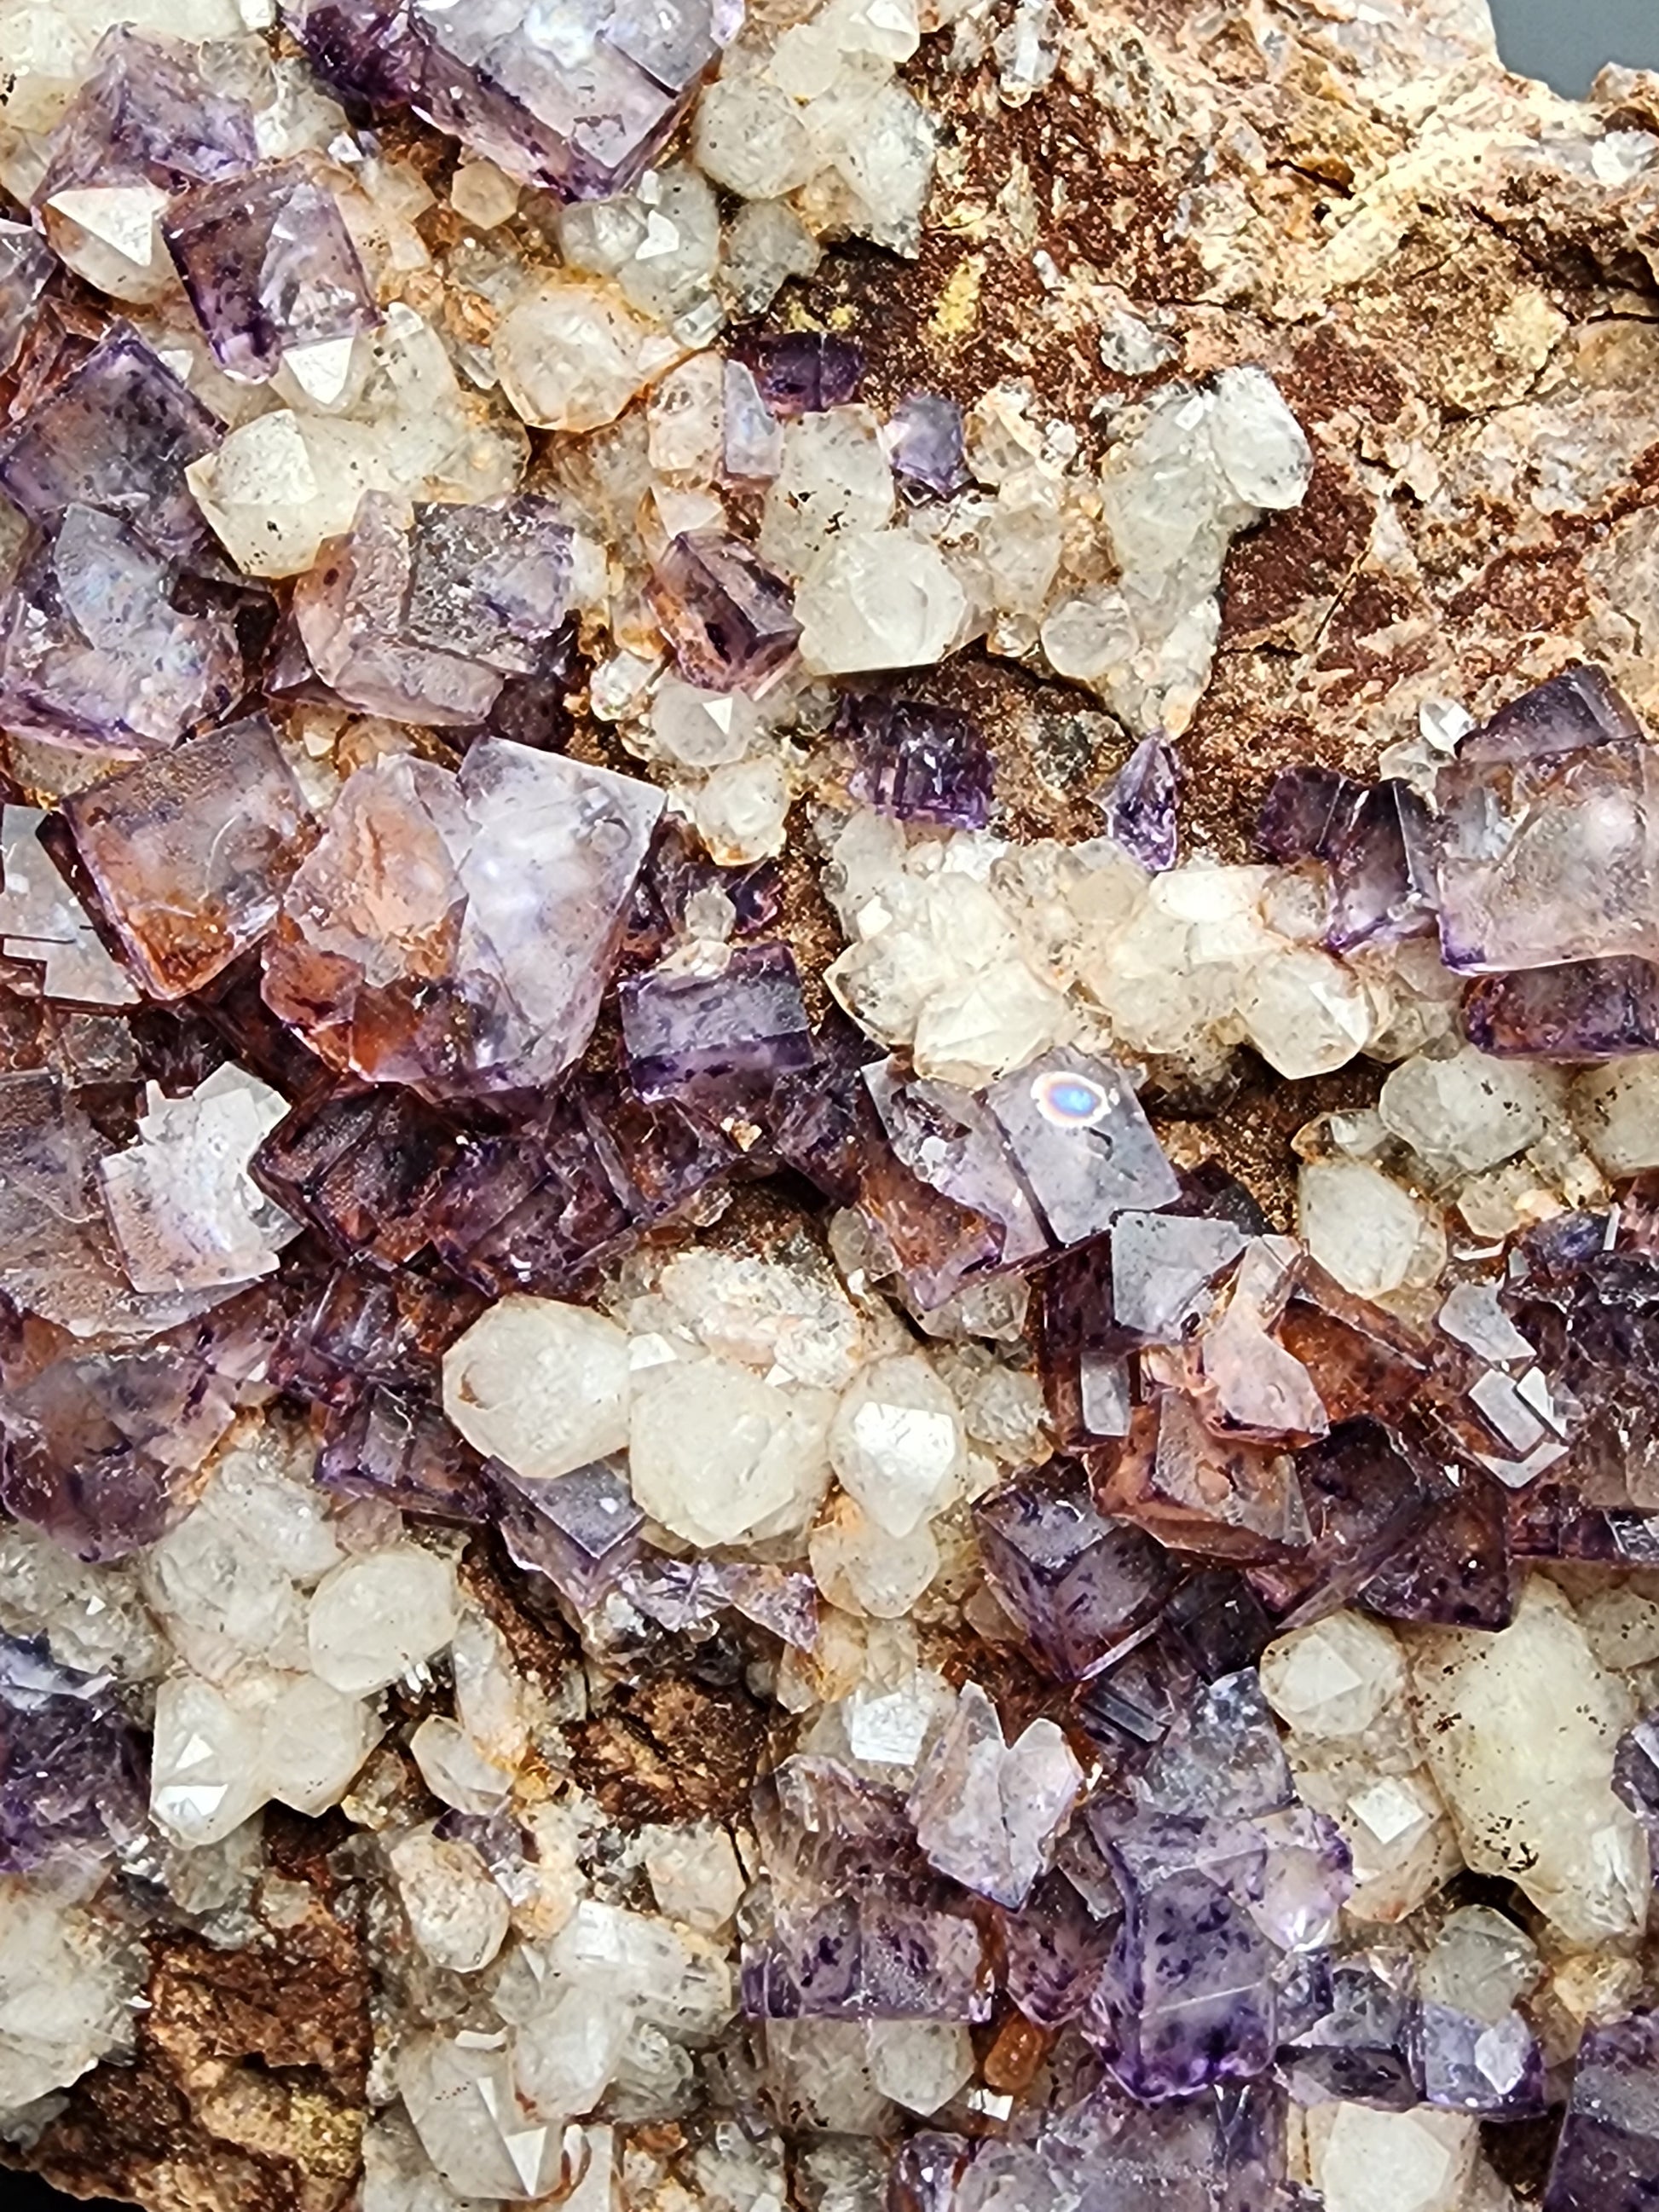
{"x":1070,"y":1099}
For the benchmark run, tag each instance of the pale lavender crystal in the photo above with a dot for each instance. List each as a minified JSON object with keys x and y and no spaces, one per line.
{"x":1163,"y":1267}
{"x":924,"y":443}
{"x":1549,"y":858}
{"x":1608,"y":2157}
{"x":1586,"y":1010}
{"x":26,"y":267}
{"x":1056,"y":1951}
{"x":582,"y":114}
{"x":1076,"y":1133}
{"x":1140,"y":804}
{"x":751,"y":450}
{"x":987,"y":1812}
{"x":1223,"y":1760}
{"x":1081,"y":1588}
{"x":471,"y":954}
{"x":93,"y":649}
{"x":147,"y":114}
{"x":391,"y":1445}
{"x":716,"y":1038}
{"x":269,"y":264}
{"x":803,"y":372}
{"x":1494,"y":2067}
{"x":1581,"y":707}
{"x":1363,"y":2046}
{"x":72,"y":1778}
{"x":579,"y":1530}
{"x":1303,"y":811}
{"x":729,"y":620}
{"x":1636,"y":1772}
{"x":919,"y":762}
{"x":118,"y":434}
{"x":1381,"y":880}
{"x":425,"y":623}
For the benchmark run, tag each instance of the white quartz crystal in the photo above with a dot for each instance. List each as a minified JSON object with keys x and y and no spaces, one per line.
{"x":1467,"y":1109}
{"x":1616,"y":1111}
{"x":186,"y":1213}
{"x":457,"y":1770}
{"x":741,"y":811}
{"x":458,"y":2090}
{"x":205,"y":1777}
{"x":1304,"y":1012}
{"x":896,"y":1443}
{"x":376,"y":1617}
{"x":751,"y":138}
{"x":458,"y":1915}
{"x":1367,"y":2161}
{"x":883,"y":599}
{"x":1520,"y":1727}
{"x":717,"y":1453}
{"x":693,"y":1873}
{"x":539,"y":1385}
{"x":572,"y":353}
{"x":1335,"y":1678}
{"x":864,"y":1568}
{"x":921,"y":2063}
{"x":481,"y":193}
{"x":834,"y":483}
{"x":65,"y":1999}
{"x":1368,"y":1231}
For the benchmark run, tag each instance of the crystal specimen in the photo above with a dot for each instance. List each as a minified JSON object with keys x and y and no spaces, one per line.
{"x":1082,"y":1588}
{"x":582,"y":118}
{"x":270,"y":268}
{"x":1141,"y":805}
{"x":1582,"y":1010}
{"x":185,"y":1215}
{"x":374,"y":1617}
{"x":579,"y":1529}
{"x":116,"y":435}
{"x":879,"y":599}
{"x":714,"y":1038}
{"x":389,"y":1445}
{"x":362,"y":1167}
{"x":93,"y":650}
{"x":896,"y":1443}
{"x":988,"y":1812}
{"x":539,"y":1386}
{"x":26,"y":267}
{"x":730,"y":620}
{"x":191,"y":852}
{"x":42,"y":920}
{"x":1608,"y":2158}
{"x":803,"y":372}
{"x":71,"y":1767}
{"x":423,"y":620}
{"x":717,"y":1453}
{"x":919,"y":762}
{"x":472,"y":957}
{"x":924,"y":443}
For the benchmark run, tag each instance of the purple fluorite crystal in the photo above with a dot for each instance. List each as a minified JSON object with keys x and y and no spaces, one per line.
{"x":26,"y":267}
{"x":730,"y":620}
{"x":1075,"y":1131}
{"x":1581,"y":707}
{"x":803,"y":372}
{"x":988,"y":1813}
{"x":582,"y":116}
{"x":1056,"y":1951}
{"x":1585,"y":1009}
{"x":579,"y":1530}
{"x":117,"y":434}
{"x":925,"y":444}
{"x":1362,"y":2046}
{"x":1139,"y":804}
{"x":1081,"y":1588}
{"x":1608,"y":2158}
{"x":715,"y":1039}
{"x":72,"y":1768}
{"x":1302,"y":813}
{"x":919,"y":762}
{"x":94,"y":651}
{"x":147,"y":115}
{"x":269,"y":266}
{"x":191,"y":851}
{"x":362,"y":1167}
{"x":393,"y":1446}
{"x":426,"y":623}
{"x":1381,"y":882}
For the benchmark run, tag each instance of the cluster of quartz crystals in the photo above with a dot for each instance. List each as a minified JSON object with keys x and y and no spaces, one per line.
{"x":1158,"y":1618}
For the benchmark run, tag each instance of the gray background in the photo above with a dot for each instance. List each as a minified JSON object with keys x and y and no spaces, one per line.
{"x":1566,"y":41}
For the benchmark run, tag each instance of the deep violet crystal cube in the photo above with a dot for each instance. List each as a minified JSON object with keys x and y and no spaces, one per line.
{"x":716,"y":1038}
{"x":730,"y":622}
{"x":1608,"y":2157}
{"x":918,"y":762}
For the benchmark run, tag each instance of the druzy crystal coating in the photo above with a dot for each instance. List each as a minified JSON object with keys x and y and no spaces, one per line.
{"x":768,"y":1433}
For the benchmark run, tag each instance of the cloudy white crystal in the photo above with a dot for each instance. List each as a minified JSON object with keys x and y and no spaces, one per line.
{"x":374,"y":1618}
{"x":541,"y":1386}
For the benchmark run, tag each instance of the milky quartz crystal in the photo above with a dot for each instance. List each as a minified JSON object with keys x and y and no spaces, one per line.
{"x":717,"y":1453}
{"x":541,"y":1386}
{"x":1520,"y":1730}
{"x":476,"y":960}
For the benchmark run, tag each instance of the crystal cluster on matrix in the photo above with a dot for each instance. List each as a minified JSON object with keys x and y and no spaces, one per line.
{"x":872,"y":1633}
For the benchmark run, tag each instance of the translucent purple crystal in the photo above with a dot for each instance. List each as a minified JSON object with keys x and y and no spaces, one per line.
{"x":363,"y":1167}
{"x":361,"y":1327}
{"x":269,"y":266}
{"x":918,"y":762}
{"x":729,"y":620}
{"x":1303,"y":811}
{"x":1608,"y":2157}
{"x":716,"y":1038}
{"x":1363,"y":2046}
{"x":393,"y":1446}
{"x":751,"y":436}
{"x":426,"y":623}
{"x":1076,"y":1133}
{"x":146,"y":114}
{"x":1585,"y":1009}
{"x":118,"y":434}
{"x":924,"y":443}
{"x":1086,"y":1376}
{"x":803,"y":372}
{"x":191,"y":851}
{"x":1636,"y":1772}
{"x":26,"y":267}
{"x":1581,"y":707}
{"x":1381,"y":880}
{"x":1163,"y":1267}
{"x":988,"y":1813}
{"x":93,"y":649}
{"x":1140,"y":803}
{"x":1055,"y":1950}
{"x":1471,"y":2065}
{"x":72,"y":1769}
{"x":1081,"y":1588}
{"x":578,"y":1529}
{"x":582,"y":117}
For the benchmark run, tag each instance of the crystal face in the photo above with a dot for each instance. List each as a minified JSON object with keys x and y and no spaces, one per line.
{"x":829,"y":1113}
